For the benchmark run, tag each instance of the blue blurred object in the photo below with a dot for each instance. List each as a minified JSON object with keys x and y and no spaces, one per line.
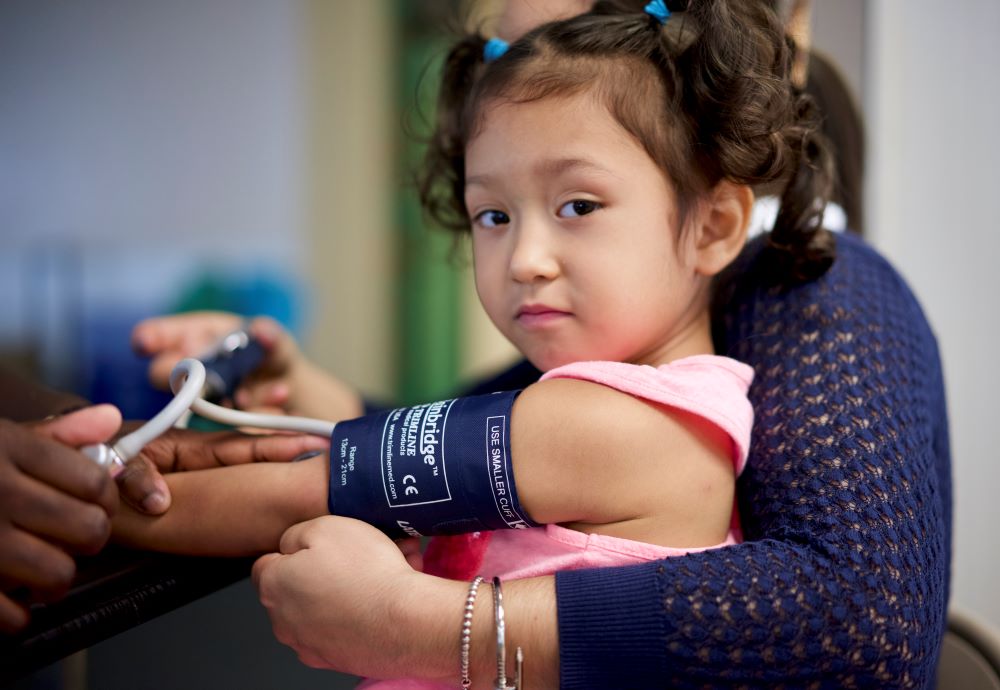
{"x":111,"y":372}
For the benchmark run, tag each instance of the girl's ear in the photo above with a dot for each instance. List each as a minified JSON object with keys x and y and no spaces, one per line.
{"x":723,"y":228}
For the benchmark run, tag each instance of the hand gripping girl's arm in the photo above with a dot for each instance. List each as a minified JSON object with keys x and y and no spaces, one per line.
{"x":846,"y":508}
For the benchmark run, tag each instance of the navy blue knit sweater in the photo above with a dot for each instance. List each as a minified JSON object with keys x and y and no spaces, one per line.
{"x":846,"y":507}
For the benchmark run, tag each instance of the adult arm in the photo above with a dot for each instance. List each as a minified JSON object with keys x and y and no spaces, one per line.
{"x":843,"y":579}
{"x":141,"y":484}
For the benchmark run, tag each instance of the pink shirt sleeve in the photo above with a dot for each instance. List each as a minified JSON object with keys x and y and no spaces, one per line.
{"x":712,"y":387}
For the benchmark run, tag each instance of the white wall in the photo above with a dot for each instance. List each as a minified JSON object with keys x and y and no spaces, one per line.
{"x":838,"y":31}
{"x":933,"y":98}
{"x":152,"y":123}
{"x":140,"y":140}
{"x":146,"y":139}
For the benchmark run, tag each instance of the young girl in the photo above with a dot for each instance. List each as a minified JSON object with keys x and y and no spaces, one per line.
{"x":605,"y":166}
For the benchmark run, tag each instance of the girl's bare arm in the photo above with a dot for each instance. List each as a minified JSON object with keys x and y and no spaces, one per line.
{"x":599,"y":460}
{"x":230,"y":511}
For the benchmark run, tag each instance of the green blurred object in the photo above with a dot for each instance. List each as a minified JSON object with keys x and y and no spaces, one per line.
{"x":429,"y":296}
{"x":201,"y":424}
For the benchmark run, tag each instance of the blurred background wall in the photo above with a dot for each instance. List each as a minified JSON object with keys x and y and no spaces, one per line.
{"x":933,"y":103}
{"x":255,"y":155}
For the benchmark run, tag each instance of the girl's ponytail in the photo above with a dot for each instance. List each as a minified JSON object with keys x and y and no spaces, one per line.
{"x":799,"y":249}
{"x":757,"y":129}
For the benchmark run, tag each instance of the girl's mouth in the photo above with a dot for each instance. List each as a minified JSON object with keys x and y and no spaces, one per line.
{"x":539,"y":315}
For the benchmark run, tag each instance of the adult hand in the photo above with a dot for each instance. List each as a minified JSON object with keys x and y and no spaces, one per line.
{"x":141,"y":482}
{"x":286,"y":382}
{"x":168,"y":339}
{"x":54,"y":502}
{"x":342,"y":595}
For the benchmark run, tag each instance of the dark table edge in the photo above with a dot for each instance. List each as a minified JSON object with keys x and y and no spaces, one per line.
{"x":121,"y":589}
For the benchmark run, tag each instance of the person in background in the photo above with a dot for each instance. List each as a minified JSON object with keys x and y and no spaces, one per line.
{"x":841,"y":124}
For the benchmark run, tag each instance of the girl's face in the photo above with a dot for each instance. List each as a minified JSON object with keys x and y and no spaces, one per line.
{"x":575,"y":240}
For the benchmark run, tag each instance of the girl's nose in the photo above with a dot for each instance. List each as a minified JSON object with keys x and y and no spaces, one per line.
{"x":534,"y":255}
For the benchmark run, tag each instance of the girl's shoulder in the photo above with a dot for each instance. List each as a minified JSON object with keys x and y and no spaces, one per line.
{"x":709,"y":386}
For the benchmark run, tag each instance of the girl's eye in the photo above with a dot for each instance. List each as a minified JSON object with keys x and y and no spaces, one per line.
{"x":491,"y":219}
{"x":578,"y":207}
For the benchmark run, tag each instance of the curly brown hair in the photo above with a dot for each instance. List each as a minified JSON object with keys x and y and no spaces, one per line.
{"x":707,"y":94}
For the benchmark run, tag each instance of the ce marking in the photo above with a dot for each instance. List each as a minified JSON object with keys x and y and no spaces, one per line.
{"x":410,"y":490}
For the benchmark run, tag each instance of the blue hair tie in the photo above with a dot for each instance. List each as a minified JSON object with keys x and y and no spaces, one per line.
{"x":658,"y":10}
{"x":494,"y":48}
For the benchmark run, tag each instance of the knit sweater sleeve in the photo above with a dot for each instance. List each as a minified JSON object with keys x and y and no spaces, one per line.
{"x":846,"y":507}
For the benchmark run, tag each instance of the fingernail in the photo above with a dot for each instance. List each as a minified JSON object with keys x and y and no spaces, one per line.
{"x":155,"y":502}
{"x":306,"y":456}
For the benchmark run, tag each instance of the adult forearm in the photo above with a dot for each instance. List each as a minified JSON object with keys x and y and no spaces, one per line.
{"x":843,"y":579}
{"x":611,"y":627}
{"x":530,"y":615}
{"x":756,"y":615}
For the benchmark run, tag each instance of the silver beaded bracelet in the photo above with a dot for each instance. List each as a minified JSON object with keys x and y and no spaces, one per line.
{"x":470,"y":605}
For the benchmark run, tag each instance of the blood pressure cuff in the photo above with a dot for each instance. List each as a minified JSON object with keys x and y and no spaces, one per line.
{"x":439,"y":468}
